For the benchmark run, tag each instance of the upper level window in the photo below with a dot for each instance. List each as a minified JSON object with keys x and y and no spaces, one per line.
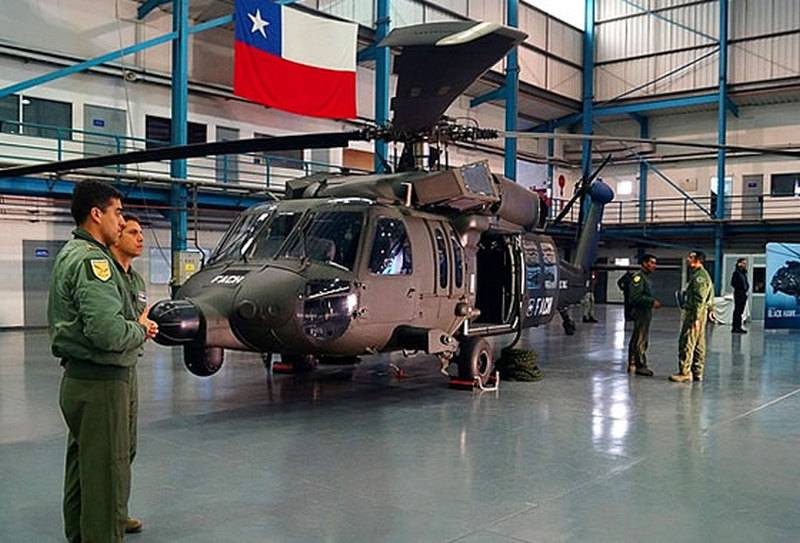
{"x":158,"y":132}
{"x":291,"y":159}
{"x":785,"y":184}
{"x":391,"y":249}
{"x":40,"y":118}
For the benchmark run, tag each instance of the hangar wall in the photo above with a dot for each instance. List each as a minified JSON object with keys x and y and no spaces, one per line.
{"x":53,"y":225}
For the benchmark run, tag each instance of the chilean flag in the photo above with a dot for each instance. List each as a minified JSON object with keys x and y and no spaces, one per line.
{"x":294,"y":61}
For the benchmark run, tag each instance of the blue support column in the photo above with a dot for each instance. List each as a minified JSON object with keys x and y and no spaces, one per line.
{"x":551,"y":150}
{"x":381,"y":83}
{"x":644,"y":132}
{"x":512,"y":90}
{"x":179,"y":136}
{"x":588,"y":87}
{"x":721,"y":139}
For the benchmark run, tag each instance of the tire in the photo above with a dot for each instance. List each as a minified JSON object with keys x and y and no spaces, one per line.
{"x":305,"y":363}
{"x":475,"y":360}
{"x":201,"y":360}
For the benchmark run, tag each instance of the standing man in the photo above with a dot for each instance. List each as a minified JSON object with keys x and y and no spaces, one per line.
{"x":740,"y":286}
{"x":588,"y":301}
{"x":642,"y":303}
{"x":698,"y":299}
{"x":624,"y":284}
{"x":97,"y":335}
{"x":129,"y":246}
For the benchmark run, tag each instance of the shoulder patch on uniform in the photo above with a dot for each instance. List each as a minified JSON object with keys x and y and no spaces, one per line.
{"x":100,"y":268}
{"x":701,"y":279}
{"x":637,"y":278}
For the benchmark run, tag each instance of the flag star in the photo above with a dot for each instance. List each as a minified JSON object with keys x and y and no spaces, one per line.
{"x":259,"y":24}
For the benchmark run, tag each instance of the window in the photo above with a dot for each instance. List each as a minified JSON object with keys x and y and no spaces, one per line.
{"x":158,"y":132}
{"x":160,"y":269}
{"x":291,"y":159}
{"x":534,"y":275}
{"x":272,"y":237}
{"x":391,"y":250}
{"x":785,"y":184}
{"x":759,"y":279}
{"x":458,"y":260}
{"x":52,"y":119}
{"x":227,"y":166}
{"x":624,"y":188}
{"x":9,"y":114}
{"x":330,"y":237}
{"x":444,"y":264}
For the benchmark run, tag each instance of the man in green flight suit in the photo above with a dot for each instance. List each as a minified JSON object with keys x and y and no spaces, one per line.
{"x":698,"y":298}
{"x":129,"y":246}
{"x":642,"y":302}
{"x":97,"y":335}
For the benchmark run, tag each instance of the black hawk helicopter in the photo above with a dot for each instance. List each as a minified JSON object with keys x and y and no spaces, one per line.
{"x":427,"y":259}
{"x":787,"y":278}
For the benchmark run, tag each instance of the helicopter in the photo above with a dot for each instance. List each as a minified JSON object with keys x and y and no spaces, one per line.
{"x":429,"y":259}
{"x":786,"y":279}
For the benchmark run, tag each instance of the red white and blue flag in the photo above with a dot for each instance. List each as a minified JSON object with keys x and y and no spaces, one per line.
{"x":290,"y":60}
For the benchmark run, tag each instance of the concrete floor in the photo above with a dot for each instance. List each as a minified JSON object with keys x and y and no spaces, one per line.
{"x":587,"y":454}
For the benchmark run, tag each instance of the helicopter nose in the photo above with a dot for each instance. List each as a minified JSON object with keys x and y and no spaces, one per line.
{"x":179,"y":321}
{"x":265,"y":302}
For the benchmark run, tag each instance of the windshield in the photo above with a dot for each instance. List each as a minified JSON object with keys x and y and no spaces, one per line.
{"x":329,"y":236}
{"x":270,"y":239}
{"x":240,"y":235}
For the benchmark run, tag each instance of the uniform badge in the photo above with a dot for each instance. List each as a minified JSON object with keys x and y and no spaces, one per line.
{"x":100,"y":268}
{"x":637,"y":278}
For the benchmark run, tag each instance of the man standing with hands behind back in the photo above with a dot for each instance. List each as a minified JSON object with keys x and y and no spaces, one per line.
{"x":740,"y":286}
{"x":129,"y":246}
{"x":642,"y":302}
{"x":96,"y":333}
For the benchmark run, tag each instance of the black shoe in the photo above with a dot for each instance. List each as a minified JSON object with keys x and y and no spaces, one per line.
{"x":646,"y":372}
{"x":739,"y":331}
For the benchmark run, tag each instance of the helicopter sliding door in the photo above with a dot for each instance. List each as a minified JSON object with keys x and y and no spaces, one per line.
{"x":497,"y":294}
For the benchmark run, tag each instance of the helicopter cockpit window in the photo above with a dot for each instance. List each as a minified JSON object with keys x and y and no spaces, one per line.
{"x":441,"y":252}
{"x":458,"y":260}
{"x":391,"y":249}
{"x":330,"y":237}
{"x":239,"y":236}
{"x":274,"y":234}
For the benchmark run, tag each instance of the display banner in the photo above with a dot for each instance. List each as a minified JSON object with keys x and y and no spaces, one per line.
{"x":782,"y":300}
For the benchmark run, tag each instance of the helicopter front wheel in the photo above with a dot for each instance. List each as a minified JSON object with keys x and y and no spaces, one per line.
{"x":201,"y":360}
{"x":475,"y":359}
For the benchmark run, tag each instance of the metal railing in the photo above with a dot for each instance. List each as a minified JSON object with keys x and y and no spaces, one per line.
{"x":31,"y":143}
{"x":691,"y":210}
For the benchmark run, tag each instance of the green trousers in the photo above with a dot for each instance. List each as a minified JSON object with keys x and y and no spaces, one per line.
{"x":692,"y":346}
{"x":97,"y":471}
{"x":133,"y":395}
{"x":637,"y":347}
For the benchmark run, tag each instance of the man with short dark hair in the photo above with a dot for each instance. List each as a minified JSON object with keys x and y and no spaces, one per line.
{"x":642,"y":303}
{"x":740,"y":286}
{"x":129,"y":246}
{"x":97,"y":335}
{"x":698,"y":298}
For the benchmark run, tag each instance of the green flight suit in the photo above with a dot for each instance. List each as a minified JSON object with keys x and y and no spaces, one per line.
{"x":641,"y":301}
{"x":94,"y":331}
{"x":137,"y":290}
{"x":698,"y":299}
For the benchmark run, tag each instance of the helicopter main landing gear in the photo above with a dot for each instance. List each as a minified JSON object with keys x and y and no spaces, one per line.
{"x":475,"y":363}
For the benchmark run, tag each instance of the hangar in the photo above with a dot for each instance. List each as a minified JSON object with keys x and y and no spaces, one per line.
{"x":686,"y":109}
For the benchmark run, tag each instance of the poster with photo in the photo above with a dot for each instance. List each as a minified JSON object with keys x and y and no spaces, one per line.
{"x":782,"y":297}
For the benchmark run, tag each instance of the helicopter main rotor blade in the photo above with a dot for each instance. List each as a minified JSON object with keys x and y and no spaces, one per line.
{"x":582,"y":190}
{"x":195,"y":150}
{"x":676,"y":143}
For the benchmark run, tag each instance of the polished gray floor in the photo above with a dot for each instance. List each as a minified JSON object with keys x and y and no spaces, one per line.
{"x":587,"y":454}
